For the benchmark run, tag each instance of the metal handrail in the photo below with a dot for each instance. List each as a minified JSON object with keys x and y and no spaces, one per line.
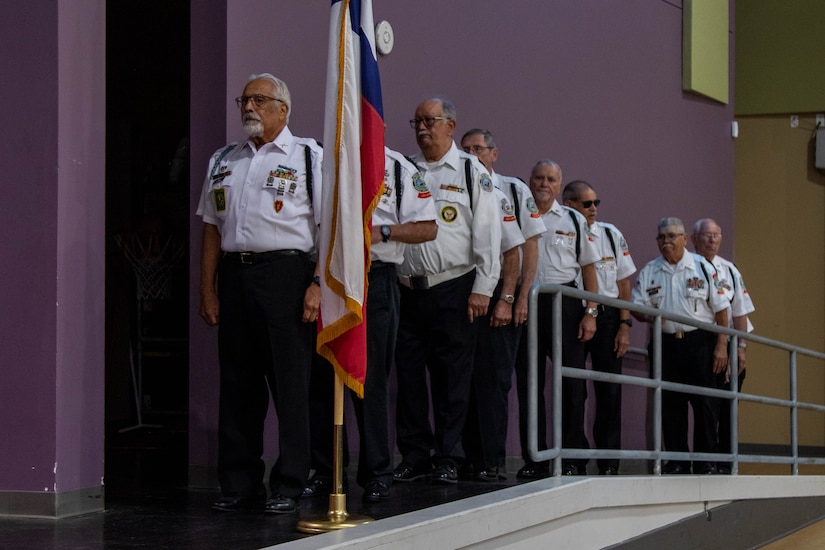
{"x":655,"y":382}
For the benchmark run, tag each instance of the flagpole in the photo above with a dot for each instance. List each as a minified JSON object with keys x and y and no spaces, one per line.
{"x":353,"y":183}
{"x":337,"y":517}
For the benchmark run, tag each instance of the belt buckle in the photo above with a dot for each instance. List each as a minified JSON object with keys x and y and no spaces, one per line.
{"x":678,"y":335}
{"x":419,"y":283}
{"x":246,"y":257}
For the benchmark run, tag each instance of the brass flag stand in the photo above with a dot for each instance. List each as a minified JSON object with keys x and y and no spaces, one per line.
{"x":337,"y":517}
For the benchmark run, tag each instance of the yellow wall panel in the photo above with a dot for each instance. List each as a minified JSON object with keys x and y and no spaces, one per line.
{"x":780,"y":249}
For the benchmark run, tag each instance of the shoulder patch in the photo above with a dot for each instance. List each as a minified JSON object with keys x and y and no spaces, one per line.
{"x":420,"y":185}
{"x":531,"y":206}
{"x":508,"y":210}
{"x":486,"y":182}
{"x":623,"y":246}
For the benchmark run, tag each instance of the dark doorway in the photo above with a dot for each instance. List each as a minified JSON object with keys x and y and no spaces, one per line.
{"x":147,"y":227}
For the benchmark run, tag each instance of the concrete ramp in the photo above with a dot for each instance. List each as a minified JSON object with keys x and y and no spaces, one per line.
{"x":585,"y":513}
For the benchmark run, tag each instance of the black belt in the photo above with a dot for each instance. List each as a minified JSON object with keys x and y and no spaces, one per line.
{"x":378,"y":264}
{"x":250,"y":258}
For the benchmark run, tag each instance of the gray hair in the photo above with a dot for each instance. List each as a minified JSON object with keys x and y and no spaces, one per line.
{"x":671,"y":221}
{"x":280,"y":90}
{"x":486,"y":134}
{"x":546,"y":162}
{"x":447,"y":107}
{"x":697,"y":227}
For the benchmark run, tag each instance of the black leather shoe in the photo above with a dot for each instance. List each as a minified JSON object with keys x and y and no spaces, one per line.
{"x":316,"y":487}
{"x":705,"y":468}
{"x":534,"y":470}
{"x":234,"y":504}
{"x":723,"y":468}
{"x":675,"y":468}
{"x":279,"y":504}
{"x":486,"y":475}
{"x":568,"y":469}
{"x":404,"y":472}
{"x":609,"y":471}
{"x":445,"y":473}
{"x":376,"y":491}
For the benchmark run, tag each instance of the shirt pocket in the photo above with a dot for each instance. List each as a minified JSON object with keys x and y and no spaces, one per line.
{"x":221,"y":193}
{"x":453,"y":206}
{"x":563,"y":239}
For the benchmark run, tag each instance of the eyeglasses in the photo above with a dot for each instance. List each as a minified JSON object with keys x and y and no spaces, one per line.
{"x":428,"y":121}
{"x":588,"y":204}
{"x":669,"y":236}
{"x":711,"y":236}
{"x":258,"y":100}
{"x":476,"y":149}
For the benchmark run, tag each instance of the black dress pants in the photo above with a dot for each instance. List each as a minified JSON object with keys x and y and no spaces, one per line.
{"x":689,"y":360}
{"x":485,"y":432}
{"x":574,"y":391}
{"x":371,"y":412}
{"x":435,"y":337}
{"x":264,"y":349}
{"x":607,"y":426}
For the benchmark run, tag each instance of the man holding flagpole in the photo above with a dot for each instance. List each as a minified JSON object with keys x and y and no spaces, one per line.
{"x":405,"y":214}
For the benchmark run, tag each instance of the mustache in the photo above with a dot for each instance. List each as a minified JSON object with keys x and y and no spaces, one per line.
{"x":248,"y":117}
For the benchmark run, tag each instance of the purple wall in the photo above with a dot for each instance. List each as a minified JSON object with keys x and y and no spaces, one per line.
{"x":28,"y":143}
{"x":208,"y":85}
{"x":51,"y":150}
{"x":595,"y":86}
{"x":81,"y":244}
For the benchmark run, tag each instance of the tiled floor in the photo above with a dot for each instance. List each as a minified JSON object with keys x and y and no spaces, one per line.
{"x":182,"y":519}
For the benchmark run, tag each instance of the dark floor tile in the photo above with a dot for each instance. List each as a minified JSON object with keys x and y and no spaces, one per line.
{"x":183,"y":519}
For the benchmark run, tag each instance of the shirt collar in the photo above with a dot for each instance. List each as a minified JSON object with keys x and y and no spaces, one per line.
{"x":451,"y":158}
{"x":688,"y":261}
{"x":556,"y":209}
{"x":282,"y":141}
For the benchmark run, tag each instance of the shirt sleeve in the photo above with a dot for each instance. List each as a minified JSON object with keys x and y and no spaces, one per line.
{"x":741,"y":304}
{"x":486,"y":233}
{"x":588,"y":250}
{"x":417,"y":202}
{"x":624,"y":262}
{"x":529,"y":215}
{"x":206,"y":206}
{"x":317,"y":154}
{"x":511,"y":236}
{"x":638,"y":295}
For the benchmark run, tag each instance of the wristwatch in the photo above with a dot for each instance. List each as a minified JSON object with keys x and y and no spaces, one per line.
{"x":316,"y":280}
{"x":386,"y":231}
{"x":592,"y":311}
{"x":509,"y":298}
{"x":628,"y":322}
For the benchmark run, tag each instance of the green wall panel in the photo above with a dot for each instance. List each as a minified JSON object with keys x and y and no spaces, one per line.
{"x":705,"y":48}
{"x":780,"y":56}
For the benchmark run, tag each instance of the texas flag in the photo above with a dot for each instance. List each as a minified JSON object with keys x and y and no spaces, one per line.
{"x":353,"y":181}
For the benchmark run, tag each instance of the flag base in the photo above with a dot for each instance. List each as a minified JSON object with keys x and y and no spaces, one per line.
{"x":337,"y":518}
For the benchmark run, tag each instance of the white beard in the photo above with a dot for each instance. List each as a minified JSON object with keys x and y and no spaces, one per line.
{"x":253,"y":128}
